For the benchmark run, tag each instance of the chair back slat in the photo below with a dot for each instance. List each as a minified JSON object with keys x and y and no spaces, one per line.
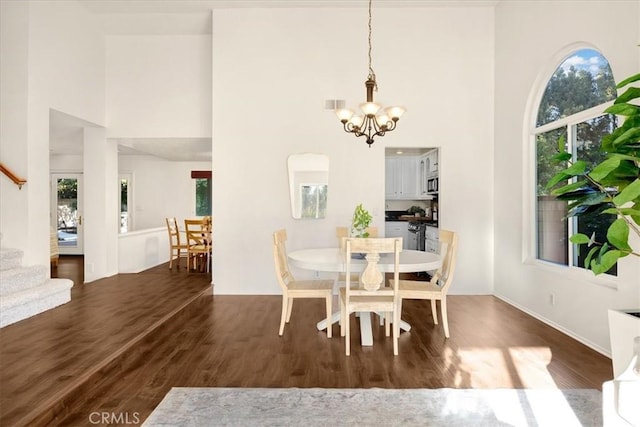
{"x":198,"y":231}
{"x":448,"y":250}
{"x":280,"y":259}
{"x":174,"y":232}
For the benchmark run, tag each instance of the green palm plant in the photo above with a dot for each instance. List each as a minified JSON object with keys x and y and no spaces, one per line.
{"x":610,"y":187}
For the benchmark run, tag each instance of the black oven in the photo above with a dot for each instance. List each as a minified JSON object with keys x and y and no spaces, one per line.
{"x":419,"y":229}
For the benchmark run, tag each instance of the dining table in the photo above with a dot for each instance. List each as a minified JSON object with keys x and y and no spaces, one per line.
{"x":333,"y":260}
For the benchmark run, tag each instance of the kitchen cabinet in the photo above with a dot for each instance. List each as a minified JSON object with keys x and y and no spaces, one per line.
{"x":398,"y":229}
{"x":432,"y":163}
{"x":432,"y":243}
{"x":401,"y":178}
{"x":424,"y":162}
{"x":428,"y":174}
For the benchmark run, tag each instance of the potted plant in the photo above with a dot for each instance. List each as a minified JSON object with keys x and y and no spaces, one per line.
{"x":610,"y":187}
{"x":360,"y":221}
{"x":416,"y":210}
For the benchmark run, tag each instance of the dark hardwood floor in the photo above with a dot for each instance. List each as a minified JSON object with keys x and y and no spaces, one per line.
{"x":69,"y":267}
{"x":123,"y":342}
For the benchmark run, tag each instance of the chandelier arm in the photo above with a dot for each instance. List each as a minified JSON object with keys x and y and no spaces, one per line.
{"x":391,"y":125}
{"x":350,"y":128}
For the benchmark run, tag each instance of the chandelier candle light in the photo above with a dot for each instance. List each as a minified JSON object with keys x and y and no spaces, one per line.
{"x":369,"y":124}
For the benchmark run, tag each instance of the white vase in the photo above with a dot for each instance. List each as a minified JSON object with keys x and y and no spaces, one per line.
{"x":621,"y":396}
{"x":623,"y":328}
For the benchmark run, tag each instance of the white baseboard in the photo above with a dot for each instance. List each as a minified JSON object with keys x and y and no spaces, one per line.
{"x":554,"y":325}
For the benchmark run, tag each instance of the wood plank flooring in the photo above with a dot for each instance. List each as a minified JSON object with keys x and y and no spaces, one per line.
{"x":44,"y":358}
{"x":232,"y":341}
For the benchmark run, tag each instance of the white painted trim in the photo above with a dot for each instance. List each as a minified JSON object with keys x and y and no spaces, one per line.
{"x":554,"y":325}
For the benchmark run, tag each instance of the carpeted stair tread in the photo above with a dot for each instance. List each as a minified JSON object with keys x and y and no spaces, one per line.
{"x":10,"y":258}
{"x":29,"y":302}
{"x":22,"y":278}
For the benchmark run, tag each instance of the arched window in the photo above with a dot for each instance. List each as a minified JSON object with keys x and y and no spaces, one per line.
{"x":571,"y":112}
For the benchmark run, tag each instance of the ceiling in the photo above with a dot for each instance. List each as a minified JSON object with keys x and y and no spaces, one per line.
{"x":194,"y":16}
{"x":66,"y":136}
{"x":166,"y":17}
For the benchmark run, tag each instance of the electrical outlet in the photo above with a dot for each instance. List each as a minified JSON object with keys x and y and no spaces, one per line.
{"x":552,"y":299}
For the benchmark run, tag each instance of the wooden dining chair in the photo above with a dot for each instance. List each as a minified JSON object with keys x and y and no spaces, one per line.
{"x":292,"y":288}
{"x":437,"y":288}
{"x":342,"y":233}
{"x":356,"y":297}
{"x":199,"y":243}
{"x":177,"y":249}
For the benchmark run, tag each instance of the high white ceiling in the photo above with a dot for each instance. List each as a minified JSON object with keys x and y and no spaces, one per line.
{"x":166,"y":17}
{"x":194,"y":16}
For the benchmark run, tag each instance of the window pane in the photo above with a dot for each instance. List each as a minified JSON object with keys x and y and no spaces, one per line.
{"x":203,"y":197}
{"x":552,"y":227}
{"x":582,"y":81}
{"x":314,"y":200}
{"x":588,"y":137}
{"x":67,"y":204}
{"x":124,"y":205}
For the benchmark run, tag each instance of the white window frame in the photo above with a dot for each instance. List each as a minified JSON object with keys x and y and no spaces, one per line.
{"x":529,"y":167}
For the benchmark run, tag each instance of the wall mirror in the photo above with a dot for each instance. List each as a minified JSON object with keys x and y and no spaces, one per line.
{"x":308,"y":185}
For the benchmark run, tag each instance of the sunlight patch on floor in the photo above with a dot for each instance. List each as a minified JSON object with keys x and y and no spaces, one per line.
{"x":517,"y":367}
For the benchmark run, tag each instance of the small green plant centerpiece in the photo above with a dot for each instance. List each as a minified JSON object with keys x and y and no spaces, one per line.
{"x":360,"y":222}
{"x":610,"y":187}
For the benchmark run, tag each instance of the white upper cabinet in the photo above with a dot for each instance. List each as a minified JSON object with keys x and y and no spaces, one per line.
{"x":390,"y":166}
{"x":402,"y":178}
{"x":432,"y":163}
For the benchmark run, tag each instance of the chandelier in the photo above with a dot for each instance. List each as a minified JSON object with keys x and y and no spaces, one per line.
{"x":370,"y":124}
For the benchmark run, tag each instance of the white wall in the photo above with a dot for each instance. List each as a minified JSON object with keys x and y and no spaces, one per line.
{"x":272,"y":71}
{"x":160,"y":189}
{"x":54,"y":55}
{"x":140,"y":250}
{"x":14,"y":51}
{"x":529,"y":35}
{"x":159,"y":86}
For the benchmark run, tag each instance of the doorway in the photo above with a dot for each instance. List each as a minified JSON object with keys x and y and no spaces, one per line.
{"x":66,"y":212}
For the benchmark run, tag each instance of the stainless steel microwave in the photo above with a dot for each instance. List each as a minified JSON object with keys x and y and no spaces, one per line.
{"x":432,"y":186}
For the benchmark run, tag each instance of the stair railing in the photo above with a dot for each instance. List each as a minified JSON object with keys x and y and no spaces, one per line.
{"x":12,"y":176}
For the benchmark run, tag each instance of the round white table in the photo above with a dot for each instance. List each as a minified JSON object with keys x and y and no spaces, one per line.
{"x":332,"y":260}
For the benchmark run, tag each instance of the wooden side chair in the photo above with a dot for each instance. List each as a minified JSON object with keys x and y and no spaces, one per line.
{"x":439,"y":285}
{"x":342,"y":233}
{"x":370,"y":294}
{"x":292,"y":288}
{"x":177,"y":249}
{"x":199,"y":243}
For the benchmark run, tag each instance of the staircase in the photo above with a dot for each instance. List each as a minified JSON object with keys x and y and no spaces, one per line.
{"x":27,"y":291}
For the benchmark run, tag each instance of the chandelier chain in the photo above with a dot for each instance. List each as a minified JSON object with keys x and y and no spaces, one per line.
{"x":374,"y":120}
{"x":372,"y":74}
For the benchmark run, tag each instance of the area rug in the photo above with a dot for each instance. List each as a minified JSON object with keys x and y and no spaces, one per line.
{"x":376,"y":407}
